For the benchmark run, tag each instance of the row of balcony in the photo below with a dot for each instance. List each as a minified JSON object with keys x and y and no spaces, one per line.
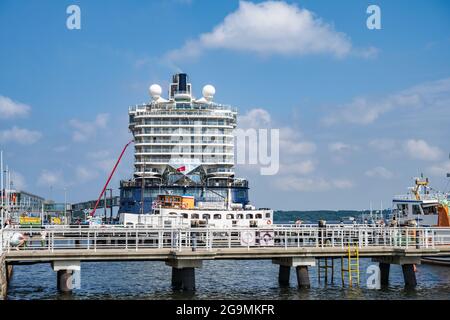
{"x":201,"y":160}
{"x":172,"y":106}
{"x":185,"y":149}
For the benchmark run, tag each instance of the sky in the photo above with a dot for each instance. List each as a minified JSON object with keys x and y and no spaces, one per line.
{"x":360,"y":111}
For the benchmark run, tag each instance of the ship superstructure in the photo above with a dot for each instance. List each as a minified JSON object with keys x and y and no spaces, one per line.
{"x":183,"y":146}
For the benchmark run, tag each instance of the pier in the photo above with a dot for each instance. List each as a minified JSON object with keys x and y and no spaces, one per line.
{"x":185,"y":249}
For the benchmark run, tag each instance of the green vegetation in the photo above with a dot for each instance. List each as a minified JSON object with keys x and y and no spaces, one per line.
{"x":314,"y":216}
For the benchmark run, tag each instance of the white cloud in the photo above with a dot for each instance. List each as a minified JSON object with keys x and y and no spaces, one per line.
{"x":84,"y":174}
{"x":383,"y":144}
{"x":341,"y":147}
{"x":61,"y":149}
{"x":364,"y":111}
{"x":49,"y":178}
{"x":291,"y":143}
{"x":301,"y":167}
{"x":21,"y":136}
{"x":440,"y":170}
{"x":379,"y":172}
{"x":255,"y":119}
{"x":105,"y":165}
{"x":85,"y":129}
{"x":18,"y":180}
{"x":270,"y":28}
{"x":292,"y":183}
{"x":99,"y":154}
{"x":420,"y":149}
{"x":10,"y":109}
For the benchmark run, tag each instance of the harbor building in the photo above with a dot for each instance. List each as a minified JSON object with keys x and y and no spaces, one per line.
{"x":182,"y":146}
{"x":22,"y":201}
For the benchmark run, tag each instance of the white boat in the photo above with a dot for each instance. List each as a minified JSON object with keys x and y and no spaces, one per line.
{"x":173,"y":211}
{"x":424,"y":207}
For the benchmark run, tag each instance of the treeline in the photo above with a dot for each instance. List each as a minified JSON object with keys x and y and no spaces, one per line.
{"x":314,"y":216}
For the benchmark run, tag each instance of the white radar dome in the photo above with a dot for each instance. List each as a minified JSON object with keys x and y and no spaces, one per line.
{"x":208,"y":92}
{"x":155,"y":91}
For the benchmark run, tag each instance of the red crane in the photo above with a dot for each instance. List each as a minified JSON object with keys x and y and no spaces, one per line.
{"x":109,"y":179}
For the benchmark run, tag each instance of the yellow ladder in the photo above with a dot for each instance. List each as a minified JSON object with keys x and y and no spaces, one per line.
{"x":324,"y":264}
{"x":352,"y":268}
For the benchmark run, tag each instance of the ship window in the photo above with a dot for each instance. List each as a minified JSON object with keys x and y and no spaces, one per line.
{"x":230,"y":216}
{"x":206,"y":216}
{"x":217,"y":216}
{"x":195,"y":216}
{"x":268,"y":215}
{"x":429,"y":210}
{"x":416,"y":209}
{"x":258,"y":216}
{"x":185,"y":215}
{"x":172,"y":213}
{"x":403,"y":209}
{"x":240,"y":216}
{"x":249,"y":216}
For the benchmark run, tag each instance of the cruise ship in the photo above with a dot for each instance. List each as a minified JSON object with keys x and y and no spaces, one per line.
{"x":184,"y":159}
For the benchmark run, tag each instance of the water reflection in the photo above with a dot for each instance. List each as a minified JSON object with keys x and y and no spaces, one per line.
{"x":218,"y":280}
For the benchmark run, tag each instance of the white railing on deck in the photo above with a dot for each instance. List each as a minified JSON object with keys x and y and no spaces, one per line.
{"x":275,"y":236}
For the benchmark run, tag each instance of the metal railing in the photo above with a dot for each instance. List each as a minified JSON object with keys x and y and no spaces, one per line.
{"x":274,"y":236}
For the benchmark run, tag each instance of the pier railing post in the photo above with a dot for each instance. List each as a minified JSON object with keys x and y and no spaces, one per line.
{"x":407,"y":237}
{"x":137,"y":240}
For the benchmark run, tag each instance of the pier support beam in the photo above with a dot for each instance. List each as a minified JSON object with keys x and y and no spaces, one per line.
{"x":183,"y":273}
{"x":301,"y":264}
{"x":409,"y":275}
{"x":64,"y":281}
{"x":303,"y":277}
{"x":284,"y":275}
{"x":188,"y":279}
{"x":64,"y":274}
{"x":384,"y":274}
{"x":177,"y":278}
{"x":407,"y":263}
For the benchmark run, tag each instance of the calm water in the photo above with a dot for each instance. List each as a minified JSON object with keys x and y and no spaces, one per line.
{"x":216,"y":280}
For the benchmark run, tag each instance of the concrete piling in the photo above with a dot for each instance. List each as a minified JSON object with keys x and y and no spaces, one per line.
{"x":183,"y":273}
{"x":188,"y":276}
{"x":64,"y":274}
{"x":407,"y":263}
{"x":64,"y":281}
{"x":177,"y":279}
{"x":284,"y":275}
{"x":303,"y":277}
{"x":183,"y":278}
{"x":301,"y":265}
{"x":384,"y":274}
{"x":409,"y":276}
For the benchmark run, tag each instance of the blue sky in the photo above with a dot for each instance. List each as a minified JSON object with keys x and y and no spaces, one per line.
{"x":361,"y":111}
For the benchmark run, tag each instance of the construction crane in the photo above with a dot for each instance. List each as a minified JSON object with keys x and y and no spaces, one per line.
{"x":109,"y":179}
